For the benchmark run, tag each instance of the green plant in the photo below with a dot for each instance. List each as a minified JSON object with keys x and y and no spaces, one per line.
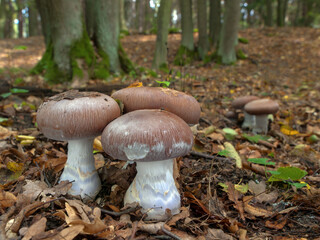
{"x":288,"y":175}
{"x":255,"y":138}
{"x":12,"y":91}
{"x":164,"y":84}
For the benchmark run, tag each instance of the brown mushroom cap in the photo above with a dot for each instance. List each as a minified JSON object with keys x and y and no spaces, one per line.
{"x":74,"y":115}
{"x":239,"y":102}
{"x":261,"y":106}
{"x":179,"y":103}
{"x":147,"y":135}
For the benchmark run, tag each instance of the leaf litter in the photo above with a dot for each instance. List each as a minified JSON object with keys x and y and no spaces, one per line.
{"x":220,"y":199}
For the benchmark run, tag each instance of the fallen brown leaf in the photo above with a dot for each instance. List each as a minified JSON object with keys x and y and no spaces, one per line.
{"x":35,"y":229}
{"x":7,"y":199}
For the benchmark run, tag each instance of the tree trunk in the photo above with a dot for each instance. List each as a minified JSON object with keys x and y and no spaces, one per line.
{"x":186,"y":24}
{"x":215,"y":21}
{"x":163,"y":20}
{"x":229,"y":33}
{"x":268,"y":18}
{"x":90,"y":17}
{"x":43,"y":8}
{"x":281,"y":12}
{"x":20,"y":18}
{"x":203,"y":44}
{"x":8,"y":29}
{"x":2,"y":18}
{"x":69,"y":54}
{"x":107,"y":21}
{"x":123,"y":24}
{"x":33,"y":19}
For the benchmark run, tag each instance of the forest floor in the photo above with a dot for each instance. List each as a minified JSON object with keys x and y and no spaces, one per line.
{"x":219,"y":200}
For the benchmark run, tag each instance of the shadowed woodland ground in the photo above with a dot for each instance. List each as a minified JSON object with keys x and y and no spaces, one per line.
{"x":282,"y":64}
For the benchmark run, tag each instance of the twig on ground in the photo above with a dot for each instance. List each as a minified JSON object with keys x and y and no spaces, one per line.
{"x":134,"y":230}
{"x":166,"y":231}
{"x":117,"y":214}
{"x":204,"y":155}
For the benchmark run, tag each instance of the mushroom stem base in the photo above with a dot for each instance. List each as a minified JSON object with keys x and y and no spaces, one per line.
{"x":80,"y":169}
{"x":260,"y":124}
{"x":154,"y":189}
{"x":248,"y":121}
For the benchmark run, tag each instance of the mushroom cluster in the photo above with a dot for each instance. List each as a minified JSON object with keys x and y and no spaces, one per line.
{"x":153,"y":131}
{"x":152,"y":138}
{"x":256,"y":112}
{"x":78,"y":117}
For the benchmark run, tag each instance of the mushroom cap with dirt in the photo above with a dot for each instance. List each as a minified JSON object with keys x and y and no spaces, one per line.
{"x":152,"y":138}
{"x":78,"y":117}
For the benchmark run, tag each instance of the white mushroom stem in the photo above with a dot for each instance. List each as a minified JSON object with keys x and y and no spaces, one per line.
{"x":260,"y":124}
{"x":248,"y":121}
{"x":154,"y":189}
{"x":80,"y":169}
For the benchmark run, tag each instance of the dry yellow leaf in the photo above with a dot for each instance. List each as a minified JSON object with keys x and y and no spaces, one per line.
{"x":287,"y":130}
{"x":15,"y":167}
{"x":135,"y":84}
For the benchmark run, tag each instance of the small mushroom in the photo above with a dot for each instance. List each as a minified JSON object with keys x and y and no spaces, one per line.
{"x":260,"y":109}
{"x":239,"y":103}
{"x":78,"y":117}
{"x":151,"y":138}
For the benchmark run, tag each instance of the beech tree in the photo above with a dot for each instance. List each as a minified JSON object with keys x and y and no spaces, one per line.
{"x":163,"y":21}
{"x":69,"y":53}
{"x":215,"y":21}
{"x":229,"y":33}
{"x":203,"y":43}
{"x":186,"y":50}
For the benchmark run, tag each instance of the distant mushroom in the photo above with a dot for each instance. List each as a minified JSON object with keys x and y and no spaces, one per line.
{"x":239,"y":103}
{"x":260,"y":109}
{"x":151,"y":138}
{"x":179,"y":103}
{"x":78,"y":117}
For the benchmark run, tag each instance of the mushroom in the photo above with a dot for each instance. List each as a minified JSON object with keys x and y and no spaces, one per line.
{"x":78,"y":117}
{"x":239,"y":103}
{"x":179,"y":103}
{"x":260,"y":109}
{"x":152,"y":138}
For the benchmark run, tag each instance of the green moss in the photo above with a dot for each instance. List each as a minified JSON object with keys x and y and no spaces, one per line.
{"x":102,"y":66}
{"x":243,"y":40}
{"x":51,"y":72}
{"x":241,"y":55}
{"x":164,"y":67}
{"x":184,"y":56}
{"x":83,"y":49}
{"x":125,"y":63}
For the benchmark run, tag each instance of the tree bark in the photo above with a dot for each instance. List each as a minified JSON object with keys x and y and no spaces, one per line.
{"x":186,"y":24}
{"x":123,"y":24}
{"x":281,"y":12}
{"x":203,"y":44}
{"x":107,"y":21}
{"x":2,"y":18}
{"x":163,"y":20}
{"x":34,"y":29}
{"x":215,"y":21}
{"x":8,"y":29}
{"x":90,"y":17}
{"x":20,"y":18}
{"x":268,"y":18}
{"x":229,"y":33}
{"x":43,"y":8}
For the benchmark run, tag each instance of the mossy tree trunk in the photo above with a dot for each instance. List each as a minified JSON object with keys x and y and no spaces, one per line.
{"x":229,"y":33}
{"x":185,"y":53}
{"x":8,"y":27}
{"x":203,"y":43}
{"x":69,"y":54}
{"x":214,"y":21}
{"x":163,"y":21}
{"x":123,"y":24}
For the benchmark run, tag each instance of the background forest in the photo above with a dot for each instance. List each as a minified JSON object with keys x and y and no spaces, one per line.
{"x":235,"y":183}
